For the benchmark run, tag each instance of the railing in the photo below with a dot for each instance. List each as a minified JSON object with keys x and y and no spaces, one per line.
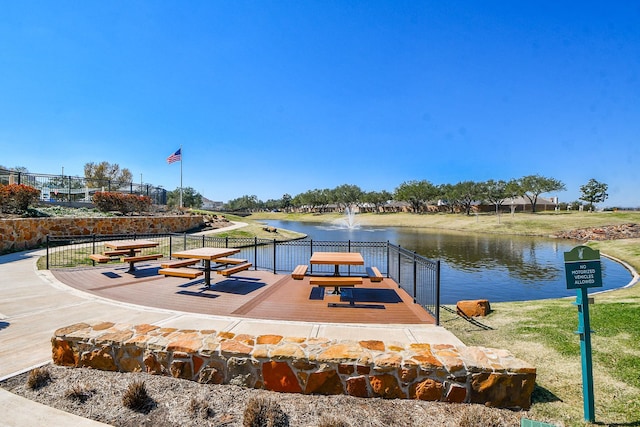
{"x":64,"y":188}
{"x":415,"y":274}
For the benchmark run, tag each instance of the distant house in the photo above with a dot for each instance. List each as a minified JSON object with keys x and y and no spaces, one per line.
{"x":522,"y":204}
{"x":211,"y":205}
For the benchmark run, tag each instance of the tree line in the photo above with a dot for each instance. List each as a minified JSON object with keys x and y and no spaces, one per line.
{"x":418,"y":194}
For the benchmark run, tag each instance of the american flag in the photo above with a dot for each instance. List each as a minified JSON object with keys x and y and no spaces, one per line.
{"x":175,"y":157}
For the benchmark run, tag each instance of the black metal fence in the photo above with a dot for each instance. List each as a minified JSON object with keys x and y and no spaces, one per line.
{"x":415,"y":274}
{"x":74,"y":189}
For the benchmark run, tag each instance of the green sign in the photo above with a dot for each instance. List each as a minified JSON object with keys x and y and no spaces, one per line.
{"x":582,"y":268}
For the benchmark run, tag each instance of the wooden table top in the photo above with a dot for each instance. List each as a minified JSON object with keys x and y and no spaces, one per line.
{"x":345,"y":258}
{"x":205,"y":253}
{"x":131,"y":244}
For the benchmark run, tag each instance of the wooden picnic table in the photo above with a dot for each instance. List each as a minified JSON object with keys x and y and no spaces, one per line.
{"x":208,"y":255}
{"x":337,"y":259}
{"x":131,"y":246}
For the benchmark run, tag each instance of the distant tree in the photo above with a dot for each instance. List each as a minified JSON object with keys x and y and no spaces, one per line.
{"x":190,"y":198}
{"x":273,"y":204}
{"x":346,"y":195}
{"x":286,"y":201}
{"x":468,"y":192}
{"x":531,"y":186}
{"x":377,"y":198}
{"x":312,"y":199}
{"x":496,"y":192}
{"x":244,"y":203}
{"x":104,"y":174}
{"x":416,"y":193}
{"x":594,"y":192}
{"x":450,"y":196}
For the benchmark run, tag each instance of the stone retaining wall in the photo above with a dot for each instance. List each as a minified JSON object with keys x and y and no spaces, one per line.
{"x":302,"y":365}
{"x":28,"y":233}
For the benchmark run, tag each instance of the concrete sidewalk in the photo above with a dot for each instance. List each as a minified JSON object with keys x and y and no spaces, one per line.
{"x":33,"y":304}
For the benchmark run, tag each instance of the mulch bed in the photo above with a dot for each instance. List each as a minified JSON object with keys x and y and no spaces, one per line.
{"x":98,"y":395}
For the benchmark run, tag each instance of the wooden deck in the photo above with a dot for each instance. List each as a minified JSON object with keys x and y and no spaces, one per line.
{"x":248,"y":294}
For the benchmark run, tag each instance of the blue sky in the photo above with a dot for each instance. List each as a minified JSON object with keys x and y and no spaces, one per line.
{"x":275,"y":97}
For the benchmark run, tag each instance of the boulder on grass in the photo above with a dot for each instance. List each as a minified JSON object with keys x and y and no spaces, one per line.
{"x":473,"y":308}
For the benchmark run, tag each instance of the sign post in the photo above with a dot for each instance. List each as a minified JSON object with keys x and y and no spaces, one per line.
{"x":583,"y":271}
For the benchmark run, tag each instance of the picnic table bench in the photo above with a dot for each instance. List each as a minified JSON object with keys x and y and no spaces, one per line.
{"x":189,"y":273}
{"x":299,"y":272}
{"x":100,"y":258}
{"x":208,"y":255}
{"x":179,"y":263}
{"x":336,"y":282}
{"x":107,"y":256}
{"x":227,"y":261}
{"x":236,"y":268}
{"x":374,"y":274}
{"x":130,"y":248}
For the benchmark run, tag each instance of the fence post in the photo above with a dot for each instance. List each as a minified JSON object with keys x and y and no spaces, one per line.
{"x":274,"y":256}
{"x":349,"y":250}
{"x":170,"y":245}
{"x":415,"y":278}
{"x":388,"y":260}
{"x":255,"y":252}
{"x":310,"y":254}
{"x":226,"y":241}
{"x":93,"y":247}
{"x":47,"y":251}
{"x":399,"y":264}
{"x":184,"y":239}
{"x":203,"y":240}
{"x":438,"y":292}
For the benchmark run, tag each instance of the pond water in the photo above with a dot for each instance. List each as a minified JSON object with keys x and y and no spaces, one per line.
{"x":477,"y":266}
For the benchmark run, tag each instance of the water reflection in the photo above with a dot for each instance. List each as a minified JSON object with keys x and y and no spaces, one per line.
{"x":496,"y":267}
{"x":522,"y":259}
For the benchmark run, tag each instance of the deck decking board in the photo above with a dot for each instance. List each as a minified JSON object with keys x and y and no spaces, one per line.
{"x":260,"y":295}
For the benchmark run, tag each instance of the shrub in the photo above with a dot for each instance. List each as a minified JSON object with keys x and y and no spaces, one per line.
{"x":261,"y":412}
{"x":16,"y":198}
{"x":125,"y":203}
{"x":105,"y":201}
{"x":80,"y":392}
{"x":136,"y":397}
{"x":38,"y":378}
{"x":199,"y":408}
